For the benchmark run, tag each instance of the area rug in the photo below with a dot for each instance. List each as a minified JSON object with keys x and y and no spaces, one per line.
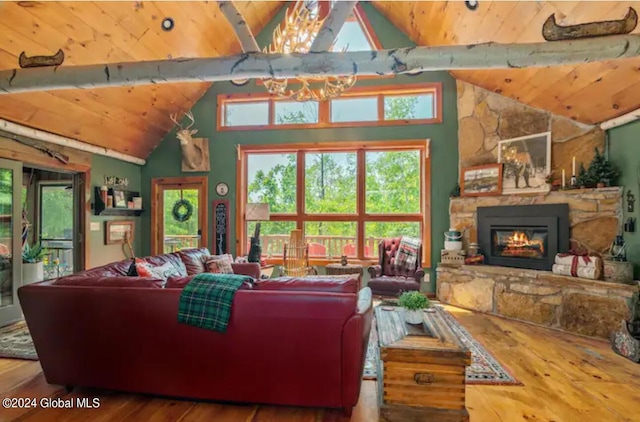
{"x":16,"y":342}
{"x":484,"y":369}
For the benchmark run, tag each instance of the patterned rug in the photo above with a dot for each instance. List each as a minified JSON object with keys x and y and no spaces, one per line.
{"x":484,"y":368}
{"x":15,"y":342}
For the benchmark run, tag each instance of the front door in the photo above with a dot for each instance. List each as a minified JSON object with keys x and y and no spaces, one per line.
{"x":10,"y":239}
{"x":179,"y":213}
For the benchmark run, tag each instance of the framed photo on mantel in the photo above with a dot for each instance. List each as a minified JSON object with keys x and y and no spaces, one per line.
{"x":481,"y":180}
{"x":527,"y":162}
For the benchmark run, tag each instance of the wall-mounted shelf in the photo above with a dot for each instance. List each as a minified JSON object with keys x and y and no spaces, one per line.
{"x":100,"y":208}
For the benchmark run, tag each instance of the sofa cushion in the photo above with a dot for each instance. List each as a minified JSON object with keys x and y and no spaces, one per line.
{"x":193,"y":259}
{"x":347,"y":283}
{"x":109,"y":281}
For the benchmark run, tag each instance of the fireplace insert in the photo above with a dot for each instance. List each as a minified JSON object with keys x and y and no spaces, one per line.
{"x":524,"y":236}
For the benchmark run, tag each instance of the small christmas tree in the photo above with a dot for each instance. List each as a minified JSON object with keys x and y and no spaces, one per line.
{"x":455,"y":192}
{"x":601,"y":170}
{"x":583,"y":179}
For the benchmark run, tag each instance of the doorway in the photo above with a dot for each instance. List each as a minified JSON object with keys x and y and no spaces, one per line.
{"x":40,"y":229}
{"x":179,"y":214}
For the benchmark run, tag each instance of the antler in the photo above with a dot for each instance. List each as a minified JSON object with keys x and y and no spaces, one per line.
{"x":190,"y":117}
{"x":173,"y":118}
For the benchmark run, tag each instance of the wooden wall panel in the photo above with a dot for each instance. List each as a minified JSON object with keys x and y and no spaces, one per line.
{"x":590,"y":93}
{"x":132,"y":120}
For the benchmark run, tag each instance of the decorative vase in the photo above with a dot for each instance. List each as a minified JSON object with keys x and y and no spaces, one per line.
{"x":413,"y":317}
{"x":32,"y":273}
{"x":452,"y":240}
{"x":343,"y":260}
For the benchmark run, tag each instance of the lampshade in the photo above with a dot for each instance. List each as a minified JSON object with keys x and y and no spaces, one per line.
{"x":257,"y":212}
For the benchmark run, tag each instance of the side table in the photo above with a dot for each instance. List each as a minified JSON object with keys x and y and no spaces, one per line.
{"x":338,"y":269}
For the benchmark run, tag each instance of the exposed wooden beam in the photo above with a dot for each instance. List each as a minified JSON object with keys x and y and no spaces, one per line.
{"x":332,"y":25}
{"x":40,"y":135}
{"x":262,"y":65}
{"x":621,"y":120}
{"x":239,"y":24}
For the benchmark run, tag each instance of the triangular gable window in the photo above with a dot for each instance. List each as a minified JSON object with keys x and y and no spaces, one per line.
{"x":356,"y":33}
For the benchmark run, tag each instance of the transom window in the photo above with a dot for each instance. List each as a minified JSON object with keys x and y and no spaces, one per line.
{"x":407,"y":104}
{"x":344,"y":196}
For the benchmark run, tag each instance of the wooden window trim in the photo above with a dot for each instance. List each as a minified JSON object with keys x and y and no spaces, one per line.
{"x":198,"y":182}
{"x":360,"y":218}
{"x":324,"y":108}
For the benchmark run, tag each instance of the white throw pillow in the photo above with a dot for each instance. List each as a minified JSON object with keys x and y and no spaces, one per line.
{"x":164,"y":271}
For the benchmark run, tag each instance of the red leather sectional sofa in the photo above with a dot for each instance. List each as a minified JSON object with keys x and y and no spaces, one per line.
{"x":299,"y":342}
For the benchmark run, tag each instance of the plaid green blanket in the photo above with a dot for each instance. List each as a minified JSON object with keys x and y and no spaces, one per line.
{"x":206,"y":300}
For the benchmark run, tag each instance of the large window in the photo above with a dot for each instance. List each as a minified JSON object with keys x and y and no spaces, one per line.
{"x":344,"y":196}
{"x":387,"y":105}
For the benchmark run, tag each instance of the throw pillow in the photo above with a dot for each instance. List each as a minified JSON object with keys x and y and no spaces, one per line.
{"x":219,"y":264}
{"x":142,"y":268}
{"x":164,"y":271}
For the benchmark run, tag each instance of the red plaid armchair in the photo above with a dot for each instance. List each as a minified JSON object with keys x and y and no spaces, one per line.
{"x":388,"y":279}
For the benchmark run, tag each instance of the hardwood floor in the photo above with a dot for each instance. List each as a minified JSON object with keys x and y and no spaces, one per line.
{"x":566,"y":378}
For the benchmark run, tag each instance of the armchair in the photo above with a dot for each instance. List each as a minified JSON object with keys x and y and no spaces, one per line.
{"x":387,"y":279}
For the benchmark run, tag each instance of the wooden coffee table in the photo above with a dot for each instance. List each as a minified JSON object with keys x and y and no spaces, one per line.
{"x":421,"y":370}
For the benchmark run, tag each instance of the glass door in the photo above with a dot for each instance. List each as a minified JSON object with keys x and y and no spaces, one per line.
{"x":179,"y":214}
{"x":10,"y":240}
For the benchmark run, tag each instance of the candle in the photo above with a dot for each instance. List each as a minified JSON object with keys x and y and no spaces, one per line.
{"x":573,"y":171}
{"x":563,"y":178}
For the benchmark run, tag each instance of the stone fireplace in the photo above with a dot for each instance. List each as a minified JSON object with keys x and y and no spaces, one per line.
{"x":520,"y":228}
{"x":525,"y":236}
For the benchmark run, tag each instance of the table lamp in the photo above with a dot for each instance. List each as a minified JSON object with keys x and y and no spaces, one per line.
{"x":258,"y":213}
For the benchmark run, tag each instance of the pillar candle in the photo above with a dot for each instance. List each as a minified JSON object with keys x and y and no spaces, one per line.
{"x":573,"y":170}
{"x":563,"y":178}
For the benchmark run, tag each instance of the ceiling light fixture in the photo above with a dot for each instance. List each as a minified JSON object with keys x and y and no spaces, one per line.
{"x":300,"y":28}
{"x":472,"y":4}
{"x":167,"y":24}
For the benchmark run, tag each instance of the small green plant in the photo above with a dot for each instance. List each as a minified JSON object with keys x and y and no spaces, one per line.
{"x":33,"y":254}
{"x":413,"y":301}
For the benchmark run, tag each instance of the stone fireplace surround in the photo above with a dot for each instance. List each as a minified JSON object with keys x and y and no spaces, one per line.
{"x":588,"y":307}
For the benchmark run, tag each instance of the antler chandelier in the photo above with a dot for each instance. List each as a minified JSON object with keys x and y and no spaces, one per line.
{"x":301,"y":27}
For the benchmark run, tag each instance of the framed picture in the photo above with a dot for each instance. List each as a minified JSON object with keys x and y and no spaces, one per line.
{"x":119,"y":200}
{"x":117,"y":232}
{"x":527,"y":162}
{"x":481,"y":180}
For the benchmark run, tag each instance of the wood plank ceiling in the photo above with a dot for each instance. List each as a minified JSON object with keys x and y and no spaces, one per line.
{"x":132,"y":120}
{"x":589,"y":93}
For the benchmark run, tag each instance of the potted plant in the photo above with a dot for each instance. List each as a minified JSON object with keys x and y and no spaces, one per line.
{"x":32,"y":265}
{"x":413,"y":303}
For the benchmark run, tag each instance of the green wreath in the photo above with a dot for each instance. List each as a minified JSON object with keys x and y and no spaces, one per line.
{"x":182,"y":210}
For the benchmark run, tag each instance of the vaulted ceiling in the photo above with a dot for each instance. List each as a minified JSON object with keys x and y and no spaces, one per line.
{"x":590,"y":93}
{"x":133,"y":120}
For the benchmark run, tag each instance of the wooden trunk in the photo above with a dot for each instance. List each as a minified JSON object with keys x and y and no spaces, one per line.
{"x":421,"y":370}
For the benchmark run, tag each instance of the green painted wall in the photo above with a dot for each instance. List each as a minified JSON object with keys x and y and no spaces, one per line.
{"x":99,"y":253}
{"x":624,"y":152}
{"x":165,"y":159}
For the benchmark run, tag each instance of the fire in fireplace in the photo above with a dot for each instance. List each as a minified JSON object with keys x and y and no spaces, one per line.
{"x":526,"y":236}
{"x":520,"y":243}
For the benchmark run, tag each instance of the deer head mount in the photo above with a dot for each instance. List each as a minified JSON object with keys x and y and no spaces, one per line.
{"x":195,"y":151}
